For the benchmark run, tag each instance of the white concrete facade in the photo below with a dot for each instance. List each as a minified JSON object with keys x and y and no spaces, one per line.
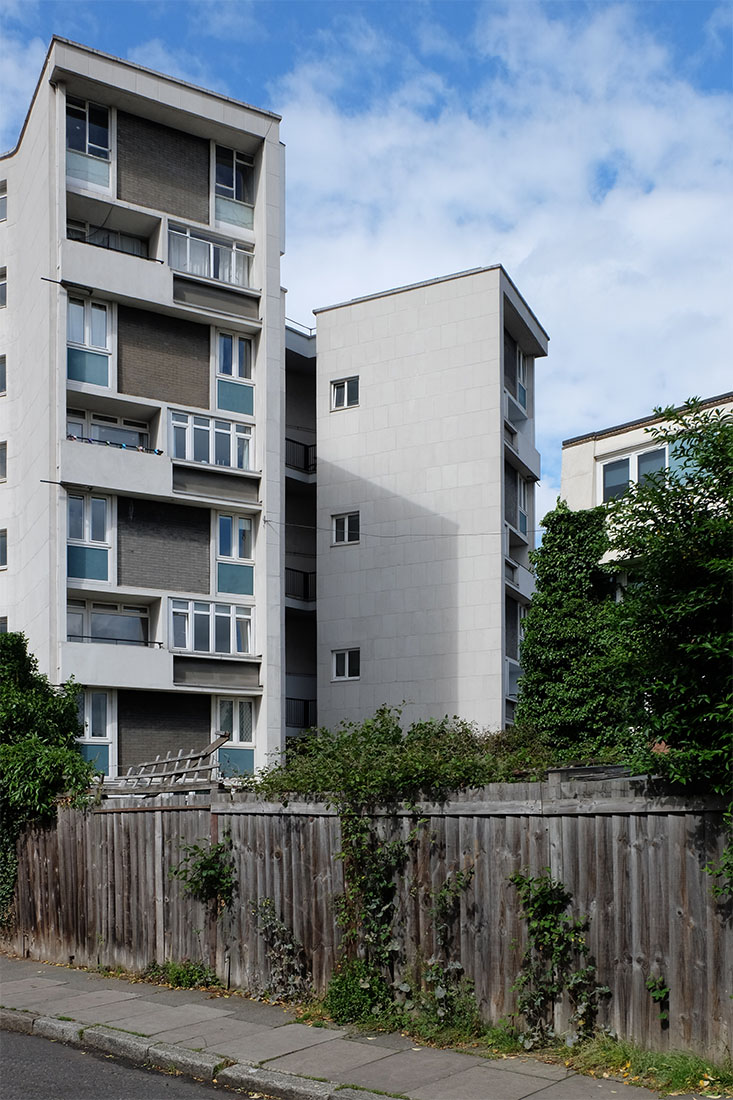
{"x":598,"y":466}
{"x":52,"y":469}
{"x":420,"y":435}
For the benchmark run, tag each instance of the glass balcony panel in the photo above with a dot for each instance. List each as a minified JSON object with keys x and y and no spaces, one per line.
{"x":237,"y":579}
{"x":87,"y":563}
{"x":233,"y":762}
{"x":97,"y":755}
{"x":87,"y":366}
{"x":235,"y":397}
{"x":234,"y":213}
{"x":87,"y":169}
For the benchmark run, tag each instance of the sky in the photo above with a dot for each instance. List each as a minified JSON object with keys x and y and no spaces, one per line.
{"x":584,"y":145}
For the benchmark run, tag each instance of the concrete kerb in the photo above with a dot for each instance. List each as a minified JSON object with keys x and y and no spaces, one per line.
{"x":194,"y":1063}
{"x":284,"y":1086}
{"x":63,"y":1031}
{"x":21,"y":1022}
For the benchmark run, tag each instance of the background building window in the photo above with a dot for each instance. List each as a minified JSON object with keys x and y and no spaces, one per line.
{"x":3,"y":200}
{"x":202,"y":627}
{"x":87,"y":338}
{"x":3,"y":287}
{"x":87,"y":128}
{"x":96,"y":716}
{"x":3,"y":548}
{"x":208,"y":257}
{"x":3,"y":624}
{"x":345,"y":393}
{"x":3,"y":461}
{"x":87,"y":549}
{"x":346,"y":664}
{"x":234,"y":188}
{"x":234,"y":547}
{"x":215,"y":442}
{"x":345,"y":527}
{"x":3,"y":374}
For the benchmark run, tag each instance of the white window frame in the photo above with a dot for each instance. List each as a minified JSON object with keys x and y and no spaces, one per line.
{"x":234,"y":557}
{"x":347,"y":655}
{"x":109,"y":541}
{"x":237,"y":250}
{"x":109,"y":738}
{"x":91,"y":422}
{"x":89,"y":305}
{"x":340,"y":529}
{"x":244,"y":222}
{"x":214,"y":426}
{"x":218,"y":728}
{"x":240,"y":376}
{"x":187,"y":610}
{"x":84,"y":104}
{"x":340,"y":386}
{"x":632,"y":457}
{"x":87,"y":609}
{"x":88,"y":185}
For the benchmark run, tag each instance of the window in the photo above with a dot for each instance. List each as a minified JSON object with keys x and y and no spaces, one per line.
{"x":87,"y":128}
{"x":346,"y":664}
{"x":87,"y":142}
{"x":3,"y":287}
{"x":345,"y":528}
{"x":3,"y":200}
{"x":235,"y":717}
{"x":96,"y":717}
{"x":234,"y":188}
{"x":345,"y":393}
{"x":199,"y":627}
{"x":3,"y":548}
{"x":3,"y":461}
{"x":234,"y":370}
{"x":3,"y":624}
{"x":209,"y":257}
{"x":234,"y":546}
{"x":107,"y":238}
{"x":522,"y":497}
{"x":109,"y":623}
{"x":88,"y":535}
{"x":215,"y":442}
{"x":3,"y":375}
{"x":87,"y":337}
{"x":619,"y":474}
{"x":521,"y":378}
{"x":98,"y":428}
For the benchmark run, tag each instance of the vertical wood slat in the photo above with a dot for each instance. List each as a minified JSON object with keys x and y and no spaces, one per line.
{"x":96,"y":886}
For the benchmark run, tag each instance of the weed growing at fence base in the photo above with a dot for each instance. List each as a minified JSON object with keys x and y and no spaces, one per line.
{"x":671,"y":1072}
{"x":181,"y":975}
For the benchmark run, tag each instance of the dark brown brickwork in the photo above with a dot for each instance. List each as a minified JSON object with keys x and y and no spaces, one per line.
{"x":161,"y":168}
{"x":154,"y":723}
{"x":162,"y":357}
{"x":162,"y":545}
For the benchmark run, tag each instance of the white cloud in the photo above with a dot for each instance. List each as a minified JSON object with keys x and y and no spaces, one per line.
{"x":21,"y":62}
{"x":229,"y":20}
{"x":578,"y":157}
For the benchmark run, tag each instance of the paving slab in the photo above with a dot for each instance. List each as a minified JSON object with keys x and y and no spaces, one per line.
{"x":88,"y":1002}
{"x":203,"y":1035}
{"x":280,"y":1040}
{"x":329,"y":1059}
{"x":39,"y":997}
{"x":119,"y":1010}
{"x":548,"y":1071}
{"x":480,"y":1083}
{"x":163,"y":1019}
{"x":588,"y":1088}
{"x":393,"y":1040}
{"x":407,"y":1070}
{"x":21,"y":985}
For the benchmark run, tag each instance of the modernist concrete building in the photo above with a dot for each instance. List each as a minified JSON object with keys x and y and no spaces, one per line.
{"x":424,"y":497}
{"x":141,"y":418}
{"x":600,"y":465}
{"x":162,"y":521}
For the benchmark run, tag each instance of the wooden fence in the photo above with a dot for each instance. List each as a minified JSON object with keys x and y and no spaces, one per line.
{"x":95,"y":889}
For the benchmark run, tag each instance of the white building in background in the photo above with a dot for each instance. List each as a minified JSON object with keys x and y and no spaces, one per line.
{"x":141,"y":417}
{"x":600,"y":465}
{"x":166,"y":536}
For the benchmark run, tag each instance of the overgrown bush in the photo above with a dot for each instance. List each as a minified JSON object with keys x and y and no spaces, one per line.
{"x":181,"y":975}
{"x":289,"y":976}
{"x":358,"y":993}
{"x":207,"y":873}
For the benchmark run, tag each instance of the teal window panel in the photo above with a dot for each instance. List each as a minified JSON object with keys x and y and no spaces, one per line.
{"x":88,"y":169}
{"x":235,"y":213}
{"x":238,"y":579}
{"x":236,"y":762}
{"x":236,"y":397}
{"x":87,"y":562}
{"x":87,"y":366}
{"x":97,"y":755}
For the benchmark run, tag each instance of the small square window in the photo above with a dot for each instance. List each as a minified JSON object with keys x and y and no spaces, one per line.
{"x":615,"y":479}
{"x":345,"y":528}
{"x":346,"y":664}
{"x":649,"y":463}
{"x":345,"y":393}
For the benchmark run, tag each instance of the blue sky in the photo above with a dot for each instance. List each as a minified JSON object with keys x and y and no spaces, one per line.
{"x":586,"y":146}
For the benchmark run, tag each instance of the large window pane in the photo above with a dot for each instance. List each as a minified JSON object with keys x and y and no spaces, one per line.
{"x":244,"y":546}
{"x":243,"y":633}
{"x":74,"y":625}
{"x":201,"y":442}
{"x":180,"y":629}
{"x":201,"y":628}
{"x":225,"y":353}
{"x":223,"y":632}
{"x":225,"y":536}
{"x":226,"y":716}
{"x":177,"y":251}
{"x":222,"y":445}
{"x":651,"y":463}
{"x":199,"y":258}
{"x":224,"y":171}
{"x":75,"y":322}
{"x":615,"y":478}
{"x":99,"y":519}
{"x":98,"y":131}
{"x":98,"y":724}
{"x":76,"y":128}
{"x":99,"y":327}
{"x":76,"y":517}
{"x":245,"y":720}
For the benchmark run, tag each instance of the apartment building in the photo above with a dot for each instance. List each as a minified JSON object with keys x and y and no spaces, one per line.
{"x":599,"y":466}
{"x":424,"y":408}
{"x":141,"y":408}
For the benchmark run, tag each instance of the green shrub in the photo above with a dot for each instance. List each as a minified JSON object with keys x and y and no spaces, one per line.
{"x":357,"y":993}
{"x":181,"y":975}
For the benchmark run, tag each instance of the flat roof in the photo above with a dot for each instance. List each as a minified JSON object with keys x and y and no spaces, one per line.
{"x":431,"y":282}
{"x":130,"y":65}
{"x":709,"y":402}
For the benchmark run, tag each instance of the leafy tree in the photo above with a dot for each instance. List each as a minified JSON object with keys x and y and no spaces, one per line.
{"x":574,"y":691}
{"x":673,"y":535}
{"x":39,"y":759}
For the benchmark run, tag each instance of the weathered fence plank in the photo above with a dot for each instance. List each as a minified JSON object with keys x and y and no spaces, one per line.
{"x":96,"y":887}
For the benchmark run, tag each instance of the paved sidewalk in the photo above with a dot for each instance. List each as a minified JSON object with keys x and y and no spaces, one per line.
{"x":260,"y":1047}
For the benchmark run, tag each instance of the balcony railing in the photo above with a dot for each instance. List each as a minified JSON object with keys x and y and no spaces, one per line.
{"x":300,"y":585}
{"x":113,"y":641}
{"x":119,"y":446}
{"x":300,"y":713}
{"x":300,"y":456}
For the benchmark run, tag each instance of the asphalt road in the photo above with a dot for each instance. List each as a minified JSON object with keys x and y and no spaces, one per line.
{"x":39,"y":1069}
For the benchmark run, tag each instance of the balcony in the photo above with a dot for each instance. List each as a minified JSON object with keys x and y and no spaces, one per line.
{"x":208,"y":257}
{"x":116,"y":468}
{"x":300,"y":714}
{"x":300,"y":456}
{"x":96,"y":663}
{"x":300,"y":585}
